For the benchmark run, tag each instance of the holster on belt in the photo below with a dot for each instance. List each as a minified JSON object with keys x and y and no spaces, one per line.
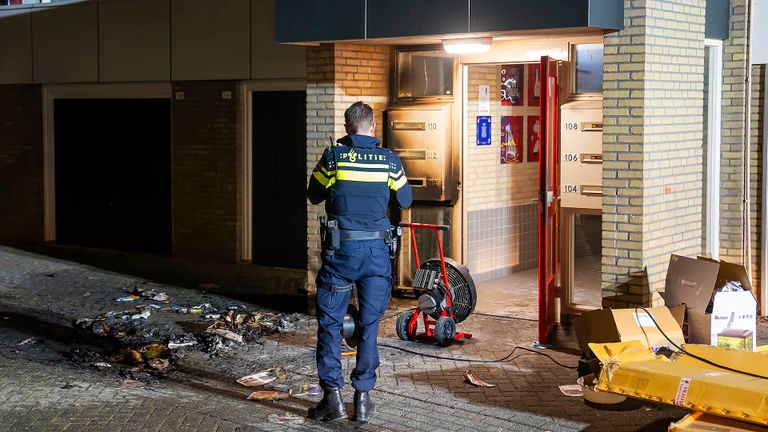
{"x":330,"y":237}
{"x":391,"y":238}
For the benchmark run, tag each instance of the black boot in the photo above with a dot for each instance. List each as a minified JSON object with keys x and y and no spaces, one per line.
{"x":331,"y":407}
{"x":363,"y":406}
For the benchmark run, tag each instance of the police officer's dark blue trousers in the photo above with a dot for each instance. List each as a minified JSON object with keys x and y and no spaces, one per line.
{"x":367,"y":265}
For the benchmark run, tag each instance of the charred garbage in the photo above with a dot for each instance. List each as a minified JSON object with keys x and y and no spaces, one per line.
{"x":153,"y":335}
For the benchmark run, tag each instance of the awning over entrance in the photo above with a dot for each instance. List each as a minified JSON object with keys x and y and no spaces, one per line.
{"x":343,"y":20}
{"x":312,"y":21}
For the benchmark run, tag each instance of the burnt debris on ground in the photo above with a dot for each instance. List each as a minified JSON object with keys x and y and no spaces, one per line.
{"x":153,"y":331}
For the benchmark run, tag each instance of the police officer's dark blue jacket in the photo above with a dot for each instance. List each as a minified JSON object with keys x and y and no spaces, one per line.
{"x":357,"y":179}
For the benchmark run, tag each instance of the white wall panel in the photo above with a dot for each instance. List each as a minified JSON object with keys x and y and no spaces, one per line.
{"x":64,"y":43}
{"x":759,"y":31}
{"x":15,"y":47}
{"x":134,"y":40}
{"x":269,"y":59}
{"x":210,"y":40}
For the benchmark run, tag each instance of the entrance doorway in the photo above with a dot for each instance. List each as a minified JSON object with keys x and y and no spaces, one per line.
{"x":113,"y":173}
{"x":501,"y":188}
{"x":279,"y":130}
{"x":520,"y":232}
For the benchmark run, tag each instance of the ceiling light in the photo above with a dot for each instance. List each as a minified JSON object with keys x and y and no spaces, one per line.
{"x":467,"y":46}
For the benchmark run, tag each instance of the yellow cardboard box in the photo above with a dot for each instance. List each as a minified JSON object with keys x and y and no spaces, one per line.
{"x":632,"y":370}
{"x":701,"y":422}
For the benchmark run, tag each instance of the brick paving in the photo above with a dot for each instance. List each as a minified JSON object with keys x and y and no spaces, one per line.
{"x":42,"y":390}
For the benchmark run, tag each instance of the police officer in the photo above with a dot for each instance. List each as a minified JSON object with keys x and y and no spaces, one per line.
{"x":356,"y":179}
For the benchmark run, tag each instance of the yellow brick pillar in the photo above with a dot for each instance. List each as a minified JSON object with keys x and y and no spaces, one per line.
{"x":338,"y":75}
{"x":652,"y":145}
{"x":732,"y":239}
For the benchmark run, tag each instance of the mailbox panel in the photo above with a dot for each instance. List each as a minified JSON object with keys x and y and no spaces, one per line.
{"x":581,"y":164}
{"x":420,"y":134}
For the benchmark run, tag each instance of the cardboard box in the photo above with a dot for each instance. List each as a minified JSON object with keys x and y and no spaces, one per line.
{"x":632,"y":370}
{"x":623,"y":325}
{"x":699,"y":421}
{"x":727,"y":319}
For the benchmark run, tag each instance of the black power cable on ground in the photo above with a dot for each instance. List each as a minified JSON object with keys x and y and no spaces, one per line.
{"x":506,"y":358}
{"x":699,"y":358}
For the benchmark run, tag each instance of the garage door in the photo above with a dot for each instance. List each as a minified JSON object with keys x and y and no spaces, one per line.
{"x":113,"y":173}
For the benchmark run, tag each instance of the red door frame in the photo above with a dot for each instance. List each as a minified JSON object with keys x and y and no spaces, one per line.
{"x":549,"y":192}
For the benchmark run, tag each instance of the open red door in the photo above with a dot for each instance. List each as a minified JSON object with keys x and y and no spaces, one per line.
{"x":549,"y":192}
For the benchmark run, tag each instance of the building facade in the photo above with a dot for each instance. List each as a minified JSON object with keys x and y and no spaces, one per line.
{"x":683,"y":120}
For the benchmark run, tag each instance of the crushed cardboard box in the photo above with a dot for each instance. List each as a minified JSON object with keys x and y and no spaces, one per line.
{"x":631,"y":369}
{"x":623,"y":325}
{"x":726,"y":319}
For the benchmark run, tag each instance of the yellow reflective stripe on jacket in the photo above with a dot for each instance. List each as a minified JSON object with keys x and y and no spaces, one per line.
{"x":362,"y":176}
{"x":325,"y":181}
{"x":361,"y":165}
{"x":397,"y":184}
{"x":327,"y":173}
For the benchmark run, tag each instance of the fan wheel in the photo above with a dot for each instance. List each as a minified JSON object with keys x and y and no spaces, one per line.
{"x":401,"y":328}
{"x":445,"y":331}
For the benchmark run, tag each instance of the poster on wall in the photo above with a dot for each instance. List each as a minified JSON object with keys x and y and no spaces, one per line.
{"x":512,"y":85}
{"x":534,"y":138}
{"x":483,"y":100}
{"x":483,"y":130}
{"x":511,"y":139}
{"x":534,"y":84}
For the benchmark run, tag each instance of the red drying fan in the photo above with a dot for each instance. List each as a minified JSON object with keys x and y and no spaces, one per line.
{"x":445,"y":291}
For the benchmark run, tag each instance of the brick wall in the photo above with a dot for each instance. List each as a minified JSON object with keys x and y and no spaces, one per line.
{"x":492,"y":184}
{"x":732,"y":145}
{"x":756,"y":167}
{"x":337,"y":76}
{"x":672,"y":133}
{"x":207,"y":137}
{"x":623,"y":125}
{"x":321,"y":122}
{"x":21,"y":164}
{"x":653,"y":80}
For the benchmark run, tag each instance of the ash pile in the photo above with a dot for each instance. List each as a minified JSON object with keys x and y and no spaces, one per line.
{"x":242,"y":326}
{"x":151,"y":336}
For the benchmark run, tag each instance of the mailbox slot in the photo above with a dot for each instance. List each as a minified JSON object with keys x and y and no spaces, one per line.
{"x":591,"y":158}
{"x":591,"y":190}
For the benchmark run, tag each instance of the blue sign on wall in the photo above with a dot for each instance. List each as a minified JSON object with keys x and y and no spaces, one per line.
{"x":483,"y":130}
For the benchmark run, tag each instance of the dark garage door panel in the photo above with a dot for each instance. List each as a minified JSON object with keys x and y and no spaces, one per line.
{"x":113,"y":173}
{"x":280,"y":178}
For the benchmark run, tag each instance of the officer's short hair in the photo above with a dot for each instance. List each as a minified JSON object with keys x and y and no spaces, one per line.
{"x":359,"y":117}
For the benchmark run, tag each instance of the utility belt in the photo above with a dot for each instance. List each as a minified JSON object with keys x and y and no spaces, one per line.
{"x":331,"y":236}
